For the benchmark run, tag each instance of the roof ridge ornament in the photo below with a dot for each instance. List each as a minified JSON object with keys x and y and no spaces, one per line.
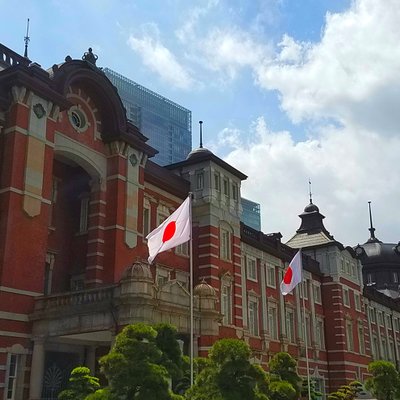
{"x":89,"y":56}
{"x":309,"y":190}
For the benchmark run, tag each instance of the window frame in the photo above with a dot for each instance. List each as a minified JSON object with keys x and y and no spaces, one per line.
{"x":254,"y":276}
{"x":271,"y":273}
{"x":346,"y":297}
{"x":226,"y":302}
{"x":254,"y":325}
{"x":225,"y":244}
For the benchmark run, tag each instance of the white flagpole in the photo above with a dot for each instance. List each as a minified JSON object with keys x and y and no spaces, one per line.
{"x":191,"y":291}
{"x":306,"y":343}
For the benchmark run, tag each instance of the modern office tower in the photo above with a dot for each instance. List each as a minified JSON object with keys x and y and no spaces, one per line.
{"x":167,"y":124}
{"x":251,"y":214}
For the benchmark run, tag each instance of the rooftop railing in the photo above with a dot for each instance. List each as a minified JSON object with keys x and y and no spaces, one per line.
{"x":9,"y":58}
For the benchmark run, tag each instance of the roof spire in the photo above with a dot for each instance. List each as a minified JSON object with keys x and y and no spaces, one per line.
{"x":371,"y":229}
{"x":201,"y":134}
{"x":309,"y":189}
{"x":26,"y":39}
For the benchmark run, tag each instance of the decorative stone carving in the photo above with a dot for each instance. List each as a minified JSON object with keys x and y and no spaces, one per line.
{"x":39,"y":110}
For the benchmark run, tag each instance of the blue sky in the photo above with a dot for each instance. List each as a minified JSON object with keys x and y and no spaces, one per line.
{"x":287,"y":89}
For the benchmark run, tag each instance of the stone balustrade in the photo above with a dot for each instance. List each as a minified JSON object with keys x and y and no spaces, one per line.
{"x":78,"y":298}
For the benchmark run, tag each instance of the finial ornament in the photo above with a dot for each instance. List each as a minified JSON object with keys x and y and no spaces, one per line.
{"x":309,"y":189}
{"x":371,"y":229}
{"x":90,"y":57}
{"x":201,"y":134}
{"x":26,"y":39}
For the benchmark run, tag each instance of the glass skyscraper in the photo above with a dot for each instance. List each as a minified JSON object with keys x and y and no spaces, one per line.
{"x":251,"y":214}
{"x":167,"y":124}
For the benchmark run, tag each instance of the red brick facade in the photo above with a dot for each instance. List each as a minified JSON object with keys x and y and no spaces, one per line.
{"x":78,"y":194}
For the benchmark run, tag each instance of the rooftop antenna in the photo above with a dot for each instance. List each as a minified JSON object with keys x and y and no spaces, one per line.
{"x":201,"y":134}
{"x":371,"y":229}
{"x":309,"y":190}
{"x":26,"y":39}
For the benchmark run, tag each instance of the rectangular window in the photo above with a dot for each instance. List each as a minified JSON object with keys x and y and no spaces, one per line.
{"x":357,"y":301}
{"x":199,"y":180}
{"x":304,"y":289}
{"x":290,"y":326}
{"x":384,"y":349}
{"x":317,"y":294}
{"x":380,"y":318}
{"x":146,"y":221}
{"x":163,"y":277}
{"x":84,"y":215}
{"x":369,"y":279}
{"x":161,"y":218}
{"x":375,"y":348}
{"x":225,"y":242}
{"x":349,"y":335}
{"x":395,"y":277}
{"x":226,"y":304}
{"x":361,"y":339}
{"x":251,"y":268}
{"x":182,"y":249}
{"x":397,"y":324}
{"x":273,"y":322}
{"x":319,"y":333}
{"x":217,"y":182}
{"x":234,"y":191}
{"x":253,"y":317}
{"x":226,"y":187}
{"x":346,"y":297}
{"x":342,"y":266}
{"x":271,"y":277}
{"x":12,"y":376}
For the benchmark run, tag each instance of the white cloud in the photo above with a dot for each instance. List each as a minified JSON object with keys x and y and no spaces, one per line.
{"x":160,"y":59}
{"x":351,"y":75}
{"x":228,"y":50}
{"x":187,"y":31}
{"x":347,"y":168}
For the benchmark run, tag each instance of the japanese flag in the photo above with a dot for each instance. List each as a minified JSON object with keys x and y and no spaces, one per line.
{"x":175,"y":230}
{"x":293,"y":274}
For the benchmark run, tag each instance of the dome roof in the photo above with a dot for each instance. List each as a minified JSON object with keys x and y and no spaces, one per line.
{"x":137,"y":271}
{"x":376,"y":252}
{"x":311,"y":208}
{"x":203,"y":289}
{"x":199,"y":152}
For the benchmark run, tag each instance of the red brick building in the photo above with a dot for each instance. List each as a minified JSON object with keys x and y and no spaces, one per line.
{"x":78,"y":194}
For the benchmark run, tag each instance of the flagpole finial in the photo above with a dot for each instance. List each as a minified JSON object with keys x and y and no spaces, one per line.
{"x":371,"y":228}
{"x":309,"y":190}
{"x":26,"y":39}
{"x":201,"y":134}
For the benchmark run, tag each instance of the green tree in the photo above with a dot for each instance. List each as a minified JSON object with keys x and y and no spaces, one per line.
{"x":346,"y":392}
{"x":136,"y":367}
{"x":81,"y":384}
{"x":229,"y":375}
{"x":284,"y":367}
{"x":282,"y":390}
{"x":385,"y":381}
{"x":315,"y":394}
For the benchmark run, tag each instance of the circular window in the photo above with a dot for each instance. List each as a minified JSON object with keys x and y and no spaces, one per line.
{"x":78,"y":119}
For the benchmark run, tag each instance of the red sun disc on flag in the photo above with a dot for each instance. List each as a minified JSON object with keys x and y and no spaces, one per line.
{"x":288,"y":276}
{"x":169,"y":231}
